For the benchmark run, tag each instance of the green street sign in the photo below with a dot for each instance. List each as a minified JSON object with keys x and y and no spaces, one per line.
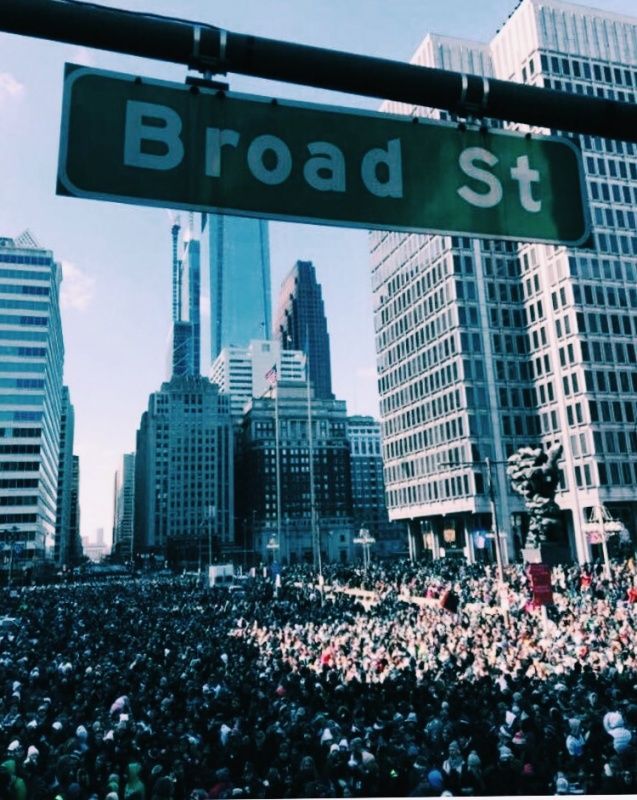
{"x":149,"y":142}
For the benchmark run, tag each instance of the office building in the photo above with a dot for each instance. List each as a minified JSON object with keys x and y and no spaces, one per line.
{"x":184,"y":345}
{"x":328,"y":485}
{"x":247,"y":372}
{"x":184,"y":482}
{"x":124,"y":508}
{"x":369,"y":508}
{"x":63,"y":546}
{"x":485,"y":346}
{"x":32,"y":351}
{"x":75,"y":538}
{"x":300,"y":324}
{"x":240,"y":297}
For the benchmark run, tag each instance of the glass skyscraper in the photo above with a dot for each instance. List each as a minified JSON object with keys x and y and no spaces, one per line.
{"x":31,"y":364}
{"x":485,"y":346}
{"x":300,"y":324}
{"x":240,"y":298}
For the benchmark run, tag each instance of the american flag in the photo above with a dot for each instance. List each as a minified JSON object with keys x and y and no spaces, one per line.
{"x":271,"y":376}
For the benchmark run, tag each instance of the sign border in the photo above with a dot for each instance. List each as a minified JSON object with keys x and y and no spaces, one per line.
{"x":73,"y":72}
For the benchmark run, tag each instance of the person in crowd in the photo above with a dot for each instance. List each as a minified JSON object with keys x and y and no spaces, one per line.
{"x":152,"y":688}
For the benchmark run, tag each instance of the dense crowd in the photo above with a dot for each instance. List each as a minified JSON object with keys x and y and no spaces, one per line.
{"x":143,"y":688}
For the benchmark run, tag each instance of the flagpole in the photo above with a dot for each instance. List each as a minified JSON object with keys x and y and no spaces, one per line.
{"x":316,"y":543}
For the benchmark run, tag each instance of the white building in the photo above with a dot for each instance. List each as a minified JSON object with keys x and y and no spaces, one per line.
{"x":124,"y":507}
{"x":247,"y":372}
{"x":484,"y":346}
{"x":31,"y":363}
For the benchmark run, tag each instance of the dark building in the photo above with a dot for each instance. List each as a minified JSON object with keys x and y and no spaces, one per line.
{"x":62,"y":544}
{"x":75,"y":540}
{"x":369,"y":507}
{"x":257,"y":502}
{"x":184,"y":488}
{"x":300,"y":324}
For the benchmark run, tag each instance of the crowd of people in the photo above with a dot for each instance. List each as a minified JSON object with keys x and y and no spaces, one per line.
{"x":146,"y":688}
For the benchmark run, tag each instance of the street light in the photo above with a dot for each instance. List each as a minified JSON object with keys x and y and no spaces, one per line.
{"x":12,"y":535}
{"x":366,"y":541}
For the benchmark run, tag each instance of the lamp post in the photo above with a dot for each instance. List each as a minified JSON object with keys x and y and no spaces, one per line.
{"x":366,"y":541}
{"x":12,"y":535}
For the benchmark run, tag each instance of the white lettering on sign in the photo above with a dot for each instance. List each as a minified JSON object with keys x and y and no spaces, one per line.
{"x":327,"y":158}
{"x":268,"y":157}
{"x":215,"y":140}
{"x":521,"y":173}
{"x":467,"y":161}
{"x":391,"y":158}
{"x":167,"y":133}
{"x":525,"y":177}
{"x":282,"y":167}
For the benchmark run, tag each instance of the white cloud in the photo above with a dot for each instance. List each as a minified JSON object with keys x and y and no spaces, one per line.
{"x":78,"y":288}
{"x":10,"y":87}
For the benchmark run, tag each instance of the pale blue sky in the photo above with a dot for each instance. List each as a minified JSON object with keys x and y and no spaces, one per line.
{"x":116,"y":299}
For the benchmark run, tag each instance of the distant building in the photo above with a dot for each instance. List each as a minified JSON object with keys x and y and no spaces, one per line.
{"x":240,"y":297}
{"x":63,"y":546}
{"x":184,"y":349}
{"x":95,"y":550}
{"x":369,"y":508}
{"x":74,"y":522}
{"x":257,"y":504}
{"x":124,"y":508}
{"x":247,"y":372}
{"x":184,"y":484}
{"x":300,"y":324}
{"x":31,"y":399}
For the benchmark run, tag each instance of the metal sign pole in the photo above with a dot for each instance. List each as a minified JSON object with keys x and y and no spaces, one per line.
{"x":215,"y":51}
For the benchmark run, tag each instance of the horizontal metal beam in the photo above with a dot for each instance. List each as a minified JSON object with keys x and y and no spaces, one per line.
{"x":210,"y":49}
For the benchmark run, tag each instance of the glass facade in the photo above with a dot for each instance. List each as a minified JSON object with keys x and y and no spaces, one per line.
{"x":486,"y":346}
{"x":31,"y":397}
{"x":240,"y":296}
{"x":300,"y":324}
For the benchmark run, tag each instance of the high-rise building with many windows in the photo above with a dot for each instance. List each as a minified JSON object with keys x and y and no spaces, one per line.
{"x":300,"y":324}
{"x":64,"y":547}
{"x":282,"y":421}
{"x":124,"y":508}
{"x":485,"y":346}
{"x":32,"y":351}
{"x":240,"y":298}
{"x":184,"y":480}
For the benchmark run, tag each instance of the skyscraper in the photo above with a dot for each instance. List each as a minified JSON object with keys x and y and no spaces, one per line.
{"x":369,"y":508}
{"x":331,"y":490}
{"x":240,"y":298}
{"x":185,"y":339}
{"x":32,"y":351}
{"x":484,"y":346}
{"x":64,"y":547}
{"x":124,"y":508}
{"x":300,"y":324}
{"x":184,"y":485}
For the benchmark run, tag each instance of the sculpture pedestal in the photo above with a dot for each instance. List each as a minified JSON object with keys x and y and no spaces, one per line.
{"x":551,"y":554}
